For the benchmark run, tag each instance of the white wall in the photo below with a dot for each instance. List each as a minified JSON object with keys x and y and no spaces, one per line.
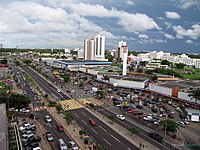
{"x":123,"y":83}
{"x":160,"y":89}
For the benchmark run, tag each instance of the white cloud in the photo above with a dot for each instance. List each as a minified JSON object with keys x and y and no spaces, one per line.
{"x":185,"y":4}
{"x":143,"y":36}
{"x":168,"y":24}
{"x":172,"y":15}
{"x":130,"y":2}
{"x":192,"y":33}
{"x":33,"y":24}
{"x":169,"y":36}
{"x":189,"y":42}
{"x":131,"y":22}
{"x":151,"y":41}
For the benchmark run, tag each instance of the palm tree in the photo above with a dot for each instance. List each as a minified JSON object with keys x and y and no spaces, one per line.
{"x":195,"y":94}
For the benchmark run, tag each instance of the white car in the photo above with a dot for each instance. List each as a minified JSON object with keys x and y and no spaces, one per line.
{"x":48,"y":118}
{"x":121,"y":117}
{"x":72,"y":145}
{"x":58,"y":90}
{"x":24,"y":126}
{"x":24,"y":110}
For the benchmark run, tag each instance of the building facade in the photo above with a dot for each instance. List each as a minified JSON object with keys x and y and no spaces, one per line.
{"x":120,"y":49}
{"x":94,"y":48}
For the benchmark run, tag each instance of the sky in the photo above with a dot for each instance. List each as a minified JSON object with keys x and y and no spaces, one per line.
{"x":145,"y":25}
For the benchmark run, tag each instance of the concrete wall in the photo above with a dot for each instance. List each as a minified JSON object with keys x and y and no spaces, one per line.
{"x":160,"y":89}
{"x":168,"y":91}
{"x":90,"y":71}
{"x":123,"y":83}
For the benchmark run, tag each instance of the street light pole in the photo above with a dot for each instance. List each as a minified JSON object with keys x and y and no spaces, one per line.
{"x":165,"y":131}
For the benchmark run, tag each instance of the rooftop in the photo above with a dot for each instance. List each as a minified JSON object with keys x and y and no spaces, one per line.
{"x":183,"y":85}
{"x":82,"y":62}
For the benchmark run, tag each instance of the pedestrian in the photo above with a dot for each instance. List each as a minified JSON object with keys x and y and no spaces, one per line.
{"x":140,"y":145}
{"x":43,"y":135}
{"x":143,"y":146}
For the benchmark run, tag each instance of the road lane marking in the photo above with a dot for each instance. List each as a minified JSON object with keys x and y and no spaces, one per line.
{"x":84,"y":122}
{"x":114,"y":137}
{"x":103,"y":128}
{"x":83,"y":113}
{"x":129,"y":148}
{"x":94,"y":131}
{"x":76,"y":115}
{"x":106,"y":141}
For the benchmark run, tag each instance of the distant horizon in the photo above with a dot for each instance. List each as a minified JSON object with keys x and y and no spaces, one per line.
{"x":145,"y":51}
{"x":170,"y":25}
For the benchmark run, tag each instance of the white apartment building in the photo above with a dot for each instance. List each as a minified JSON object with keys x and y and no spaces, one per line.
{"x":94,"y":48}
{"x":67,"y":50}
{"x":197,"y":63}
{"x":89,"y":49}
{"x":80,"y":53}
{"x":120,"y":49}
{"x":144,"y":56}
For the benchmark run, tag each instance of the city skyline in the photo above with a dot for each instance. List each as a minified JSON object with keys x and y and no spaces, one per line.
{"x":171,"y":26}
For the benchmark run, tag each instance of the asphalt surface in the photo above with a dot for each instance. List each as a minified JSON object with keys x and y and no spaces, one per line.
{"x":102,"y":133}
{"x":142,"y":133}
{"x":41,"y":114}
{"x":51,"y":127}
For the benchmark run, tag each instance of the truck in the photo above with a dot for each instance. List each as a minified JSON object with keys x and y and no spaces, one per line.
{"x":155,"y":136}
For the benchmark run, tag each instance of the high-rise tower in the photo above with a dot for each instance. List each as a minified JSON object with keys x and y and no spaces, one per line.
{"x":94,"y":48}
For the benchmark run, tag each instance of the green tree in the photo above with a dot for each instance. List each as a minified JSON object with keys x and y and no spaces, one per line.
{"x":4,"y":61}
{"x":82,"y":132}
{"x":195,"y":94}
{"x":106,"y":78}
{"x":82,"y":84}
{"x":112,"y":118}
{"x":59,"y":108}
{"x":180,"y":65}
{"x":165,"y":62}
{"x":149,"y":72}
{"x":16,"y":101}
{"x":154,"y":77}
{"x":66,"y":77}
{"x":27,"y":62}
{"x":17,"y":63}
{"x":133,"y":131}
{"x":170,"y":125}
{"x":109,"y":57}
{"x":69,"y":118}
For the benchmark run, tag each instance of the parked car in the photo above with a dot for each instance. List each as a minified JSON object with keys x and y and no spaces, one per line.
{"x":154,"y":110}
{"x":31,"y":140}
{"x":121,"y":117}
{"x":31,"y":146}
{"x":182,"y":124}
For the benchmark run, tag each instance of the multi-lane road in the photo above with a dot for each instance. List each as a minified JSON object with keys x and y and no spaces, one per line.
{"x":101,"y":133}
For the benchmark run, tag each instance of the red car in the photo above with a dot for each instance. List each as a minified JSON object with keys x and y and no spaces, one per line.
{"x":132,"y":110}
{"x":68,"y":91}
{"x":60,"y":127}
{"x":92,"y":122}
